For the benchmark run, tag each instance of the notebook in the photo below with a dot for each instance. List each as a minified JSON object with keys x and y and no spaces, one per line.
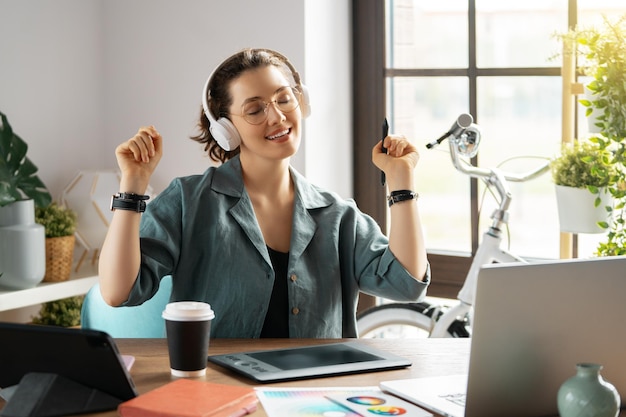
{"x":88,"y":357}
{"x":532,"y":324}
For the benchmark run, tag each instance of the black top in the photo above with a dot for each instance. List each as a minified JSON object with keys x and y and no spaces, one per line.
{"x":276,"y":321}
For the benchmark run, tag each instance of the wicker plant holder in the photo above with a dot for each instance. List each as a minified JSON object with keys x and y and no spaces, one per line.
{"x":59,"y":258}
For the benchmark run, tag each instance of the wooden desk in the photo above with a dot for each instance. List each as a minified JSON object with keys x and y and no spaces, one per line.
{"x":430,"y":357}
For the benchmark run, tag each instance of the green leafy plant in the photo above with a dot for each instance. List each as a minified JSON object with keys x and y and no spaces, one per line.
{"x":583,"y":164}
{"x":601,"y":55}
{"x":64,"y":312}
{"x":57,"y":220}
{"x":17,"y":173}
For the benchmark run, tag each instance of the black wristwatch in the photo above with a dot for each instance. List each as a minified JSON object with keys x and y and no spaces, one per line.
{"x":129,"y":201}
{"x":400,"y":195}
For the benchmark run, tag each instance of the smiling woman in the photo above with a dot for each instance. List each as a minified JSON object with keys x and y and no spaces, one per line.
{"x":273,"y":254}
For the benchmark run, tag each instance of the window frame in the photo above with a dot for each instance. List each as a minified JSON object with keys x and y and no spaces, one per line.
{"x":369,"y":103}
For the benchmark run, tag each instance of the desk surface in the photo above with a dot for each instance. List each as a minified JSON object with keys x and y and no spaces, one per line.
{"x":430,"y":357}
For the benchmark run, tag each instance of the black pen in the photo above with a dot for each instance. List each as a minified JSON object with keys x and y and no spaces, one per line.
{"x":385,"y":133}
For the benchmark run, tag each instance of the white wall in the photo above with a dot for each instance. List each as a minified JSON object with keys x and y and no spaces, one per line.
{"x":77,"y":77}
{"x":328,"y":141}
{"x":80,"y":76}
{"x":51,"y":83}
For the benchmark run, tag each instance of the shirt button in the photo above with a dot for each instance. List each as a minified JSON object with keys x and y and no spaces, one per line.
{"x":295,"y":310}
{"x":293,"y":278}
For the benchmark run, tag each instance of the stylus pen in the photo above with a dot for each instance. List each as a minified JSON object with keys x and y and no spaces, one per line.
{"x":385,"y":133}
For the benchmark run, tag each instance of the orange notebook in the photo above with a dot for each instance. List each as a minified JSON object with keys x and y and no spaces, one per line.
{"x":192,"y":398}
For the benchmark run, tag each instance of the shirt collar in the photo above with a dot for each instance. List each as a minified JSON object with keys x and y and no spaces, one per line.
{"x":228,"y":180}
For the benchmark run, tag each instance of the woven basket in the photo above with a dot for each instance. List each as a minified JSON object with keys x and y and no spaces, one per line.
{"x":59,"y":258}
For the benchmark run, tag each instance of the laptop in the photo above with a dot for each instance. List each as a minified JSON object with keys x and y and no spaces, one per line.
{"x":87,"y":357}
{"x":532,"y":324}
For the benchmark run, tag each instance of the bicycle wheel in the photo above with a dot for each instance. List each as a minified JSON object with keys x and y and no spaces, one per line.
{"x":403,"y":321}
{"x":398,"y":321}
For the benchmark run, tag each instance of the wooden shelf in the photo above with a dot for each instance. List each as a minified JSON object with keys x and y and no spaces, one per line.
{"x":79,"y":283}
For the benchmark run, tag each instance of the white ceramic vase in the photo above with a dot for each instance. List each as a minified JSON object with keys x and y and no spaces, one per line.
{"x":22,"y":246}
{"x":577,"y":213}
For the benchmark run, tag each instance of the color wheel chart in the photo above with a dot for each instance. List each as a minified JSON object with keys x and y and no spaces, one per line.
{"x":335,"y":402}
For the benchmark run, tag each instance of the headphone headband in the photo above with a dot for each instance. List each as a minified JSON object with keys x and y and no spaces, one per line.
{"x":222,"y":129}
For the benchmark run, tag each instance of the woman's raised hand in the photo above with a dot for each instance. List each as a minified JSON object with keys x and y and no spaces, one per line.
{"x":138,"y":157}
{"x":399,"y":161}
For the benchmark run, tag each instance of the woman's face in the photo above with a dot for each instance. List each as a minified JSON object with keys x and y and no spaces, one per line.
{"x":278,"y":136}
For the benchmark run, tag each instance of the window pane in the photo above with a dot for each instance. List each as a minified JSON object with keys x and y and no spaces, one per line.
{"x":520,"y":115}
{"x":590,"y":12}
{"x":518,"y":34}
{"x":427,"y":34}
{"x":520,"y":118}
{"x":423,"y":109}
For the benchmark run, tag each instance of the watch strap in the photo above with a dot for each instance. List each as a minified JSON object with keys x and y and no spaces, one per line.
{"x":129,"y":201}
{"x":401,"y":195}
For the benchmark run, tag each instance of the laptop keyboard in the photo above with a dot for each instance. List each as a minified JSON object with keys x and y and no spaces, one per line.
{"x":458,"y":399}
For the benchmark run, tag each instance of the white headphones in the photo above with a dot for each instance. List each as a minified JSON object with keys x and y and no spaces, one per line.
{"x":223,"y":130}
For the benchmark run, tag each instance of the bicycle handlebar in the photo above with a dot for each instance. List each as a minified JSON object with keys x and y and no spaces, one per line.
{"x":485,"y":173}
{"x":464,"y":139}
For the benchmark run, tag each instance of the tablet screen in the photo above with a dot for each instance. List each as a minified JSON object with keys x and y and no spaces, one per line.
{"x":324,"y":355}
{"x":88,"y":357}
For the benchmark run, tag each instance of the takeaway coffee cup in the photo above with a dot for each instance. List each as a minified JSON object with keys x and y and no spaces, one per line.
{"x":188,"y":326}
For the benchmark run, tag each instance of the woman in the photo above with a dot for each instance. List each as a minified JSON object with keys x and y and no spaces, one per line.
{"x":274,"y":255}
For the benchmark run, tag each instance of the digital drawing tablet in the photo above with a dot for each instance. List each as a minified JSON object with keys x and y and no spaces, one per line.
{"x":309,"y":361}
{"x":89,"y":357}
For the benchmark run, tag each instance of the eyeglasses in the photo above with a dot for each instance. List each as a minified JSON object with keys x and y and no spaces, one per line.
{"x":255,"y":111}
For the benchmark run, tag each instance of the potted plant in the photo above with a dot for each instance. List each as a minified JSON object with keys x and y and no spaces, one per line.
{"x":18,"y":179}
{"x":601,"y":55}
{"x":22,"y":247}
{"x":60,"y":224}
{"x":582,"y":174}
{"x":64,"y":312}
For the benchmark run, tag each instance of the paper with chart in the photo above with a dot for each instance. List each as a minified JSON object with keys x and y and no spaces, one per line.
{"x":335,"y":402}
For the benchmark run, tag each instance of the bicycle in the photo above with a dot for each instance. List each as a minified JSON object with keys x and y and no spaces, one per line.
{"x":432,"y":320}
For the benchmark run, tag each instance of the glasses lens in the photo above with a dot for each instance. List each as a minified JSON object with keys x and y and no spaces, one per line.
{"x":286,"y":100}
{"x":255,"y":111}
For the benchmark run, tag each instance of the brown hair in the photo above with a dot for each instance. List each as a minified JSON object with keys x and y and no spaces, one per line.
{"x":220,"y":99}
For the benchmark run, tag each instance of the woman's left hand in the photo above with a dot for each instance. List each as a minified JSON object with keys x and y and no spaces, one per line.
{"x":399,"y":161}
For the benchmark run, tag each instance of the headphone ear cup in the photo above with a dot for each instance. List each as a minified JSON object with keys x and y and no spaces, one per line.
{"x":225,"y":133}
{"x":305,"y":105}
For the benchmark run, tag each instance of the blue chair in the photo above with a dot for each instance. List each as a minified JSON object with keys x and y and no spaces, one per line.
{"x":142,"y":321}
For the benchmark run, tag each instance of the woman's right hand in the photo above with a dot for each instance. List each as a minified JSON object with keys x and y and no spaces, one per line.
{"x":138,"y":157}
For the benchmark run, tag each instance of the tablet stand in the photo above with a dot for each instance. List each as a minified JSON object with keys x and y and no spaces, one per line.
{"x":51,"y":395}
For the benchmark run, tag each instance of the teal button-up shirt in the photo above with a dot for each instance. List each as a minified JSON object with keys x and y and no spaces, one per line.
{"x":202,"y":230}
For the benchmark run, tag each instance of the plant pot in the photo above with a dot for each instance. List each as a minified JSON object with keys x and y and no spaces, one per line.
{"x":59,"y":258}
{"x":22,"y":246}
{"x":577,"y":213}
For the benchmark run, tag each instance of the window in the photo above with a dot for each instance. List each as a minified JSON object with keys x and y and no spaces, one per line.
{"x":421,"y":63}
